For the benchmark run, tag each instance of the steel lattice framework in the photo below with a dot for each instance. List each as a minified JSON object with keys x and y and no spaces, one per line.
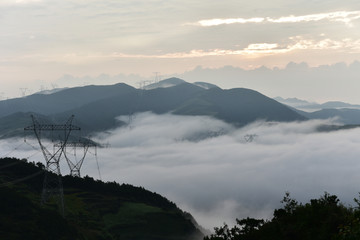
{"x":52,"y":187}
{"x":75,"y":164}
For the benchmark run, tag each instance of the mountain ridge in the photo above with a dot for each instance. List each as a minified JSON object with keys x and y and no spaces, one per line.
{"x":97,"y":107}
{"x":344,"y":113}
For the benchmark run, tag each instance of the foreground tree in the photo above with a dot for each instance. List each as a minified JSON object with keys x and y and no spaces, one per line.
{"x":321,"y":219}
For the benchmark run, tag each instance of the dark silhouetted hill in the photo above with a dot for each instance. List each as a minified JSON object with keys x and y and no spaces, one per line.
{"x":97,"y":107}
{"x":239,"y":106}
{"x":93,"y":209}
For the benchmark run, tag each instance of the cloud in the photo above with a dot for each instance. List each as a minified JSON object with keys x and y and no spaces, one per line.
{"x":177,"y":129}
{"x":307,"y":79}
{"x":216,"y":22}
{"x":94,"y":37}
{"x":259,"y":49}
{"x":222,"y":177}
{"x":18,"y":2}
{"x":208,"y":168}
{"x":339,"y":16}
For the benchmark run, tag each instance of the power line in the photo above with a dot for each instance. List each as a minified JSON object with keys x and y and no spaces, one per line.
{"x":7,"y":155}
{"x":9,"y":165}
{"x":6,"y":184}
{"x":97,"y":162}
{"x":13,"y":150}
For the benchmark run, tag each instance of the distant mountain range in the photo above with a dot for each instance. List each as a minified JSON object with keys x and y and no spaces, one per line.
{"x":96,"y":108}
{"x":311,"y":106}
{"x":345,"y":113}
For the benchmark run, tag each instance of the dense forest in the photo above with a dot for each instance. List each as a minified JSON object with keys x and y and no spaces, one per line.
{"x":93,"y":209}
{"x":321,"y":219}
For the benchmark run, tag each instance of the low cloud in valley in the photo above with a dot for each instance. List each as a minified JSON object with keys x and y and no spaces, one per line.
{"x":219,"y":172}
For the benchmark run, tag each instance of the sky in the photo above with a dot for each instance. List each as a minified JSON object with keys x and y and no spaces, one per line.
{"x":222,"y":177}
{"x":43,"y":43}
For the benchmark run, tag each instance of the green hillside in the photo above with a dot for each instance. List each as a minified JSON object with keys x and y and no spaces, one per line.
{"x":93,"y":209}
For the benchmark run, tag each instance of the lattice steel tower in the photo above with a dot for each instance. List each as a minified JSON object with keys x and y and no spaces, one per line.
{"x":52,"y":187}
{"x":76,"y":163}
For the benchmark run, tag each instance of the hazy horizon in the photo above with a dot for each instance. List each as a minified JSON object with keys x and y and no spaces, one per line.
{"x":272,"y":82}
{"x":44,"y":40}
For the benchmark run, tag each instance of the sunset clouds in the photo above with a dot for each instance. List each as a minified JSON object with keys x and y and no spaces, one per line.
{"x":216,"y":22}
{"x":261,"y":49}
{"x":340,"y":16}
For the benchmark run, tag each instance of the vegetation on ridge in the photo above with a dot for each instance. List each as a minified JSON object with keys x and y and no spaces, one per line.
{"x":321,"y":219}
{"x":93,"y":209}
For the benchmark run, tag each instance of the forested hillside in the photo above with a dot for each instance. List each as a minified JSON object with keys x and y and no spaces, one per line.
{"x":93,"y":209}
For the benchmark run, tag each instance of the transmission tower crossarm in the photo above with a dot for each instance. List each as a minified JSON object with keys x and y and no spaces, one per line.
{"x":52,"y":127}
{"x":76,"y":144}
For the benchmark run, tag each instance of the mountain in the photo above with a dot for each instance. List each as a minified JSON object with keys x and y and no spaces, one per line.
{"x":338,"y":104}
{"x":239,"y":106}
{"x":205,"y":85}
{"x":311,"y":106}
{"x":97,"y":107}
{"x":61,"y":101}
{"x":93,"y":209}
{"x":293,"y":102}
{"x":171,"y":82}
{"x":101,"y":115}
{"x":13,"y":124}
{"x":51,"y":91}
{"x":343,"y":115}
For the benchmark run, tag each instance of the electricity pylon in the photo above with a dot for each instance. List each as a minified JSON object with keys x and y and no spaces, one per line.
{"x":52,"y":187}
{"x":250,"y":137}
{"x":23,"y":91}
{"x":157,"y":77}
{"x":75,"y":163}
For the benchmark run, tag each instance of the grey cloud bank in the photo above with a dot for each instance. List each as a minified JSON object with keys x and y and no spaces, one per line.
{"x":222,"y":177}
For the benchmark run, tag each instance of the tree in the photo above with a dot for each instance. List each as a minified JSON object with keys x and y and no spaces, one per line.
{"x":320,"y":219}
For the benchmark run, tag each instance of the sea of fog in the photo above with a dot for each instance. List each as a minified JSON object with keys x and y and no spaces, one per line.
{"x":217,"y":172}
